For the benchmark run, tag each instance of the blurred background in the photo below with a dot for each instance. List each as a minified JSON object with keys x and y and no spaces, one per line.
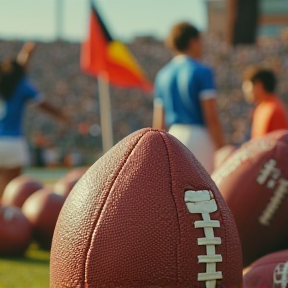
{"x":235,"y":33}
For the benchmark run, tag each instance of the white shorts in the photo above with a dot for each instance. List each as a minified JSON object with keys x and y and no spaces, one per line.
{"x":198,"y":140}
{"x":13,"y":152}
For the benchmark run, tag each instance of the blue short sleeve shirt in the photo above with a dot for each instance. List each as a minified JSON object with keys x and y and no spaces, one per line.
{"x":181,"y":85}
{"x":11,"y":110}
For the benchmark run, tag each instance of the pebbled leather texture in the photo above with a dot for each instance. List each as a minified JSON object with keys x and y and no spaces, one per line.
{"x":247,"y":199}
{"x":126,"y":224}
{"x":261,"y":272}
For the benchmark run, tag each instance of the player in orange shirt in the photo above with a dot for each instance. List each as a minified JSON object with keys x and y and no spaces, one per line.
{"x":270,"y":112}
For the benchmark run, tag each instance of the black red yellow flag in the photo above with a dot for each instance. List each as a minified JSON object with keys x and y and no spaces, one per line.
{"x":100,"y":53}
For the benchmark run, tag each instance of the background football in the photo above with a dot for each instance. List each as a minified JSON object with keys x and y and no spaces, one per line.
{"x":146,"y":214}
{"x":65,"y":184}
{"x":270,"y":271}
{"x":222,"y":154}
{"x":42,"y":210}
{"x":19,"y":189}
{"x":15,"y":231}
{"x":254,"y":183}
{"x":76,"y":173}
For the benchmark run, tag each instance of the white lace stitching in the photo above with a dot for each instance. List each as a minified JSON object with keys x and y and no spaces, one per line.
{"x":202,"y":202}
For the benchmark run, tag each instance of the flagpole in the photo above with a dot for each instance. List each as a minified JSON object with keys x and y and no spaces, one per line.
{"x":105,"y":112}
{"x":59,"y":19}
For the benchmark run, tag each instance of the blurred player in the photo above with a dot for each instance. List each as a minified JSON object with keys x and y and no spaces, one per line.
{"x":185,"y":97}
{"x":270,"y":113}
{"x":15,"y":92}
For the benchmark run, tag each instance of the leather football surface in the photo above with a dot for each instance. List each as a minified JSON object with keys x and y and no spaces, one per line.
{"x":15,"y":231}
{"x":146,"y":214}
{"x":254,"y":184}
{"x":19,"y":189}
{"x":270,"y":271}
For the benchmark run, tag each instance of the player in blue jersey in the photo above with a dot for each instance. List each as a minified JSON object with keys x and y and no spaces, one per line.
{"x":185,"y":97}
{"x":15,"y":92}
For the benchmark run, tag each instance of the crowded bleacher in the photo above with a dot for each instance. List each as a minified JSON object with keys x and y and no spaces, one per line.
{"x":55,"y":71}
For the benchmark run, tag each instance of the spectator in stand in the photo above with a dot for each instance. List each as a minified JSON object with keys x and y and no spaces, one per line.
{"x":15,"y":92}
{"x":55,"y":69}
{"x":270,"y":113}
{"x":186,"y":97}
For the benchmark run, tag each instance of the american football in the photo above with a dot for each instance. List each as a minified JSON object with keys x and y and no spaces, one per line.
{"x":19,"y":189}
{"x":15,"y":231}
{"x":42,"y":210}
{"x":119,"y":119}
{"x":254,"y":184}
{"x":146,"y":214}
{"x":222,"y":154}
{"x":65,"y":184}
{"x":270,"y":271}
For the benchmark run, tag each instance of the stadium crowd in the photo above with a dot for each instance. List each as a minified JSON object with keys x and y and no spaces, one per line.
{"x":55,"y":71}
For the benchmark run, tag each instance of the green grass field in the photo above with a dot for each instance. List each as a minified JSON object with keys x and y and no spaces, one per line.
{"x":31,"y":270}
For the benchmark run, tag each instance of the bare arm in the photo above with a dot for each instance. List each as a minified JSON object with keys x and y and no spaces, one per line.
{"x":24,"y":56}
{"x":212,"y":121}
{"x":47,"y":107}
{"x":158,"y":115}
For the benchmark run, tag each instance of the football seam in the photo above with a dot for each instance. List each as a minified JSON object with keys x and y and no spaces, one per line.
{"x":212,"y":283}
{"x":227,"y":232}
{"x":203,"y":202}
{"x":278,"y":194}
{"x":173,"y":197}
{"x":282,"y":270}
{"x":117,"y":172}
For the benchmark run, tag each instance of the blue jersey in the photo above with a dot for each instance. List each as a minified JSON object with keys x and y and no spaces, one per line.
{"x":11,"y":110}
{"x":181,"y":85}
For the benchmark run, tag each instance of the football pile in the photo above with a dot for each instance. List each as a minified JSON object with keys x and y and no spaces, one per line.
{"x":29,"y":212}
{"x":147,"y":214}
{"x":254,"y":183}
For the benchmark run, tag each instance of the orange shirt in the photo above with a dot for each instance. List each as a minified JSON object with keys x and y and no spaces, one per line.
{"x":268,"y":116}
